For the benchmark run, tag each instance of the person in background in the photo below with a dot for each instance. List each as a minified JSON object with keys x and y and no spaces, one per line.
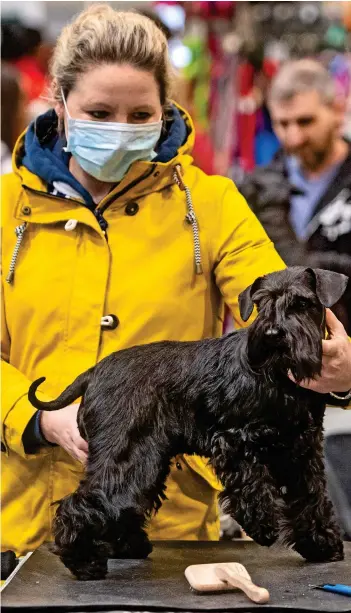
{"x":25,"y":49}
{"x":20,"y":46}
{"x":13,"y":115}
{"x":303,"y":197}
{"x":120,"y":241}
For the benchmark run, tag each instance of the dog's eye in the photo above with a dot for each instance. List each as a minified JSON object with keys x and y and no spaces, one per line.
{"x":302,"y":303}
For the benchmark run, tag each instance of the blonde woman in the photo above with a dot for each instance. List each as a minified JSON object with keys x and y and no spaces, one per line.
{"x":111,"y":238}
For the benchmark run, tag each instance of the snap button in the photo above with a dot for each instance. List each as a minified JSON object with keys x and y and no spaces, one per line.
{"x":71,"y":225}
{"x":26,"y":210}
{"x":156,"y":174}
{"x":109,"y":322}
{"x":132,"y":208}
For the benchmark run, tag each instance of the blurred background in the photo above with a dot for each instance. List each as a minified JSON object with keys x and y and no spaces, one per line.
{"x":225,"y":54}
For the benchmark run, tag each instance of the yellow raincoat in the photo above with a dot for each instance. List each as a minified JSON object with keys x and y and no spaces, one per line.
{"x":67,"y":277}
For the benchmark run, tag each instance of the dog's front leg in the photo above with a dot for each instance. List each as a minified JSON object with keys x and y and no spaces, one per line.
{"x":80,"y":539}
{"x":128,"y":538}
{"x":312,"y":529}
{"x":250,"y":494}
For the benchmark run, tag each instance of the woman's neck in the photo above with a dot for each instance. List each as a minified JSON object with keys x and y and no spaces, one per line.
{"x":97,"y":189}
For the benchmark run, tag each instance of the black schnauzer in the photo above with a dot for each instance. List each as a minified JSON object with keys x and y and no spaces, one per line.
{"x":228,"y":399}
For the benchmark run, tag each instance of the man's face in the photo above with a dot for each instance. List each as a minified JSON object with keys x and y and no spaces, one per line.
{"x":307,"y":127}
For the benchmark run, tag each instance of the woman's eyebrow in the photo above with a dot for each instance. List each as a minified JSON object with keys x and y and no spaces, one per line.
{"x":144,"y":107}
{"x":99,"y":103}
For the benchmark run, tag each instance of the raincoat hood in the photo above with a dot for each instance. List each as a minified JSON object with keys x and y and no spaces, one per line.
{"x":41,"y":150}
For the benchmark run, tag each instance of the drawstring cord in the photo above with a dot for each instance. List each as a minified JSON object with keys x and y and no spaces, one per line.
{"x":19,"y":231}
{"x":190,"y":218}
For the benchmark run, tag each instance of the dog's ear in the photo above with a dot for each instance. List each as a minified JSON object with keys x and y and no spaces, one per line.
{"x":330,"y":285}
{"x":246,"y":304}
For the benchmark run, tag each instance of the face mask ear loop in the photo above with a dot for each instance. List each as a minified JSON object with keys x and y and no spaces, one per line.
{"x":66,"y":109}
{"x":163,"y":119}
{"x":65,"y":104}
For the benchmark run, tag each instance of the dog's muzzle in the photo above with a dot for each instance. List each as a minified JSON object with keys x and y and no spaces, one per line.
{"x":273,"y":334}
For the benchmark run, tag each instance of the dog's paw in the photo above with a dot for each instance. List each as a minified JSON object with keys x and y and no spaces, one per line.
{"x":320,"y":549}
{"x":262,"y":535}
{"x":266,"y":539}
{"x":133,"y":549}
{"x":94,"y":570}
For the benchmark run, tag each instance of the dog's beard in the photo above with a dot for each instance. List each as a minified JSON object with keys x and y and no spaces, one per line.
{"x":299,"y":351}
{"x":263,"y":357}
{"x":304,"y":358}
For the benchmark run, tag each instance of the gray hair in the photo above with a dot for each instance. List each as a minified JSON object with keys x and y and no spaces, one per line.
{"x":300,"y":76}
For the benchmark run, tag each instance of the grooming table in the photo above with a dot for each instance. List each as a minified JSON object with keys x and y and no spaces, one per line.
{"x":158,"y":583}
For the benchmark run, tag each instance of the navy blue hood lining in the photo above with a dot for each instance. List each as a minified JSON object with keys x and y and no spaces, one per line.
{"x":176,"y":135}
{"x":44,"y":155}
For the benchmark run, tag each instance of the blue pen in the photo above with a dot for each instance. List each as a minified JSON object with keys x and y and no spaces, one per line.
{"x":337,"y":588}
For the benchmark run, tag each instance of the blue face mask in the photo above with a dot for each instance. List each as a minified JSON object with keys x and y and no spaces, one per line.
{"x":106,"y":149}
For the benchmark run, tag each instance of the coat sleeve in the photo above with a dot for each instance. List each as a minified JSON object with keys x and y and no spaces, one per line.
{"x":16,"y":408}
{"x":243,"y":250}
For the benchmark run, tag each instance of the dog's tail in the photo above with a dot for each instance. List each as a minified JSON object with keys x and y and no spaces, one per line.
{"x":71,"y":393}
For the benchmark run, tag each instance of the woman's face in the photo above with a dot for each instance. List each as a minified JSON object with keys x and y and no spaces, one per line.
{"x":114,"y":92}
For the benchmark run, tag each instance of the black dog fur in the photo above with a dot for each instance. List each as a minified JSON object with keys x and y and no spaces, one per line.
{"x":226,"y":398}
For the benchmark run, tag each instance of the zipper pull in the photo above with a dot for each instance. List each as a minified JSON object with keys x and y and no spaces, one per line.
{"x":19,"y":231}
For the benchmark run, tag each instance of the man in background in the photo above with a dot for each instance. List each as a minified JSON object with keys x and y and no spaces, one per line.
{"x":303,"y":197}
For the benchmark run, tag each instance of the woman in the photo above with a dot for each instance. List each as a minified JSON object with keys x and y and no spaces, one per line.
{"x":120,"y":241}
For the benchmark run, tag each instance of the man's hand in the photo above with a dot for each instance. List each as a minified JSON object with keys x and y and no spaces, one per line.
{"x":61,"y":427}
{"x":336,"y":360}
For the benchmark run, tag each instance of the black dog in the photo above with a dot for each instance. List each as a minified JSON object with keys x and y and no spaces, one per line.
{"x":229,"y":399}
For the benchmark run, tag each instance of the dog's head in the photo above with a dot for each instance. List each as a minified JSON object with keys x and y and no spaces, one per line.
{"x":289,"y":327}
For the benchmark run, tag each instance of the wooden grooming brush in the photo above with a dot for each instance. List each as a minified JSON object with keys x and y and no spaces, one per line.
{"x":224,"y":576}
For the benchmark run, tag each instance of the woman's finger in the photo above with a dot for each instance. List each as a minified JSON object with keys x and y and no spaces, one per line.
{"x":82,"y":445}
{"x":334,"y":326}
{"x":79,"y":441}
{"x":81,"y":456}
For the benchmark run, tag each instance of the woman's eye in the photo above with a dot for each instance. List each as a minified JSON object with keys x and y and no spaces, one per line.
{"x":98,"y":114}
{"x":141,"y":116}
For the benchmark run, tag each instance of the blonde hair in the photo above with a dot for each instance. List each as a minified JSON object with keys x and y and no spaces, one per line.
{"x":101,"y":35}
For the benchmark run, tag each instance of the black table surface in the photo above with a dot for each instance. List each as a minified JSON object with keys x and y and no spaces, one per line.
{"x":159,"y":584}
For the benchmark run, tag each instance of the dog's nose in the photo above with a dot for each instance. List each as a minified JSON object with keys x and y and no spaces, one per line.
{"x":273,"y":332}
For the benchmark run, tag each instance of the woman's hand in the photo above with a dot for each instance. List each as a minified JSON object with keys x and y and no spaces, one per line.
{"x":336,"y":360}
{"x":61,"y":427}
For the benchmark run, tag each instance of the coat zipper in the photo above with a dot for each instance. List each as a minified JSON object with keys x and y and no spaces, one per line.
{"x":127,"y":188}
